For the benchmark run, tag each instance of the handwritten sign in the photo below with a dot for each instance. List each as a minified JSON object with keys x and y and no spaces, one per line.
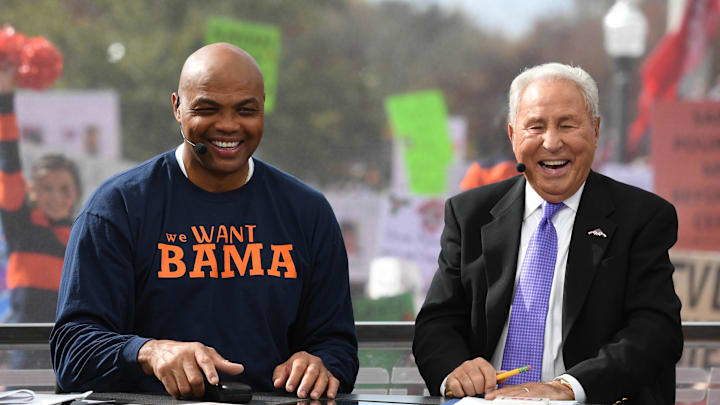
{"x":686,"y":161}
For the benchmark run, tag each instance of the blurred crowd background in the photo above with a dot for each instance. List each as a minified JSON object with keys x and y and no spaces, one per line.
{"x":389,"y":107}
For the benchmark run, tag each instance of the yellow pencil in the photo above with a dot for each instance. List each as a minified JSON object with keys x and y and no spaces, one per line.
{"x":508,"y":374}
{"x":500,"y":377}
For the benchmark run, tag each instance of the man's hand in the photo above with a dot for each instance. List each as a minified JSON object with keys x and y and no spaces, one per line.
{"x":309,"y":372}
{"x":7,"y":78}
{"x":471,"y":378}
{"x":551,"y":390}
{"x":180,"y":366}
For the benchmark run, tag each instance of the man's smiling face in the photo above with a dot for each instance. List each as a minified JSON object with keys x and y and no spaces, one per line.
{"x":555,"y":136}
{"x":220,"y":103}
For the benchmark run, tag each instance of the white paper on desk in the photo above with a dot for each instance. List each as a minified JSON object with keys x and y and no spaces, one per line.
{"x":512,"y":401}
{"x":51,"y":399}
{"x":17,"y":397}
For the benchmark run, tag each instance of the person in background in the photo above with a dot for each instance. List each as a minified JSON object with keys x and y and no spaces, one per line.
{"x":206,"y":262}
{"x":36,"y":217}
{"x":562,"y":268}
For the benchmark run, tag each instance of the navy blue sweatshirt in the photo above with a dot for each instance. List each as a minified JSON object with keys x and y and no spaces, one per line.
{"x":258,"y":273}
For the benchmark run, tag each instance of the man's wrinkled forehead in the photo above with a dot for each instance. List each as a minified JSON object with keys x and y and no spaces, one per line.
{"x":532,"y":95}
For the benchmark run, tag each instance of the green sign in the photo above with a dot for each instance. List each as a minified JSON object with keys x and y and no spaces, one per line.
{"x":262,"y":41}
{"x":419,"y":120}
{"x":394,"y":308}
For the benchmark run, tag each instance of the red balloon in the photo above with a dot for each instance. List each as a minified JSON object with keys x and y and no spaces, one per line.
{"x":36,"y":61}
{"x":40,"y":64}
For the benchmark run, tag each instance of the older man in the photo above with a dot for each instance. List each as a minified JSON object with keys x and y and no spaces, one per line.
{"x":205,"y":260}
{"x":562,"y":269}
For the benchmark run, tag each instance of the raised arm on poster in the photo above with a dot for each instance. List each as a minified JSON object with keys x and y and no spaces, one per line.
{"x":36,"y":212}
{"x":262,"y":41}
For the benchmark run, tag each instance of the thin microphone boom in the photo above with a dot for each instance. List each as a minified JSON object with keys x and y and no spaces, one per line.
{"x":199,"y":147}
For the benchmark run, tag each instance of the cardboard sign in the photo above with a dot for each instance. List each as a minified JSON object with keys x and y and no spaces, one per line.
{"x":420,"y":121}
{"x":83,"y":123}
{"x":410,"y":229}
{"x":697,"y":283}
{"x":686,"y":161}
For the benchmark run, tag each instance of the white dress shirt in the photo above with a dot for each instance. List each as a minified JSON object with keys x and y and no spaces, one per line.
{"x":553,"y":365}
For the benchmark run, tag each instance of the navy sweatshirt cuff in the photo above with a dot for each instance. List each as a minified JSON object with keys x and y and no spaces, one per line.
{"x":129,"y":355}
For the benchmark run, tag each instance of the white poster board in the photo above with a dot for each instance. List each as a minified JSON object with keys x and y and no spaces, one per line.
{"x":72,"y":122}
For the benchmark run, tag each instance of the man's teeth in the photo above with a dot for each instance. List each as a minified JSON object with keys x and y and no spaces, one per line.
{"x":229,"y":145}
{"x":554,"y":162}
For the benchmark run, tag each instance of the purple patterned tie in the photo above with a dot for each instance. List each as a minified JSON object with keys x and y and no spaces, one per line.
{"x":526,"y":332}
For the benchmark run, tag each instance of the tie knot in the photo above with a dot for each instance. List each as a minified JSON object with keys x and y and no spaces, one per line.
{"x":550,"y":209}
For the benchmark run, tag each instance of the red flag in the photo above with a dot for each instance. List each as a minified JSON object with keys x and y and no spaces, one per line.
{"x":677,"y":54}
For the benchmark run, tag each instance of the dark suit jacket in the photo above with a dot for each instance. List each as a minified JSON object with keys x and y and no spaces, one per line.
{"x":621,"y":317}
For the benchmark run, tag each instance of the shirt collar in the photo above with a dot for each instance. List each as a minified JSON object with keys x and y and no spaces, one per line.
{"x":533,"y":201}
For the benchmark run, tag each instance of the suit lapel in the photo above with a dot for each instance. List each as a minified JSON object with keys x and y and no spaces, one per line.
{"x":500,"y":244}
{"x":586,"y":249}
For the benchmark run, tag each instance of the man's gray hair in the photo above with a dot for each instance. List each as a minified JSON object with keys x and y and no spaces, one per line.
{"x":558,"y":71}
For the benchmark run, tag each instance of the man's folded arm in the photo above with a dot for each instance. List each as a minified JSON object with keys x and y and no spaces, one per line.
{"x":90,"y":345}
{"x":443,"y":324}
{"x":325,"y":326}
{"x":93,"y":359}
{"x":651,"y":339}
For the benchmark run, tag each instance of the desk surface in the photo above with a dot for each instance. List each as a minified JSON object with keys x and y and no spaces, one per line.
{"x":276,"y":399}
{"x":273,"y":399}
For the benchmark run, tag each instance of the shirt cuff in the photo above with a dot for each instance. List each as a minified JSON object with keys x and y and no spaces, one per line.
{"x":442,"y":386}
{"x":128,"y":356}
{"x":576,"y":387}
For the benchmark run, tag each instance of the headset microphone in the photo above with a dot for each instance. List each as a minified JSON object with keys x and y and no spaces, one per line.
{"x":520,"y":167}
{"x":199,"y":147}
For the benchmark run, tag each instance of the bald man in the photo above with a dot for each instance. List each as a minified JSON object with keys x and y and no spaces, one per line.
{"x":205,"y":262}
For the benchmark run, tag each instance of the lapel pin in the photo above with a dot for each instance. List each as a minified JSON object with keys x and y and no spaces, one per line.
{"x":597,"y":232}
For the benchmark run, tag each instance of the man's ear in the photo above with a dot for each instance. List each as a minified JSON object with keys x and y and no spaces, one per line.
{"x":596,"y":129}
{"x":175,"y":101}
{"x":511,"y":135}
